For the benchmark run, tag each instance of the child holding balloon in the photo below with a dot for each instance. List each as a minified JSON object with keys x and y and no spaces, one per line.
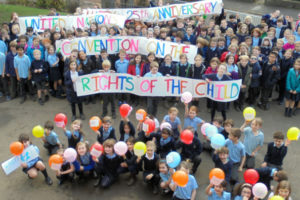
{"x":149,"y":161}
{"x":283,"y":190}
{"x":126,"y":129}
{"x":66,"y":170}
{"x":32,"y":167}
{"x":51,"y":141}
{"x":174,"y":120}
{"x":165,"y":174}
{"x":220,"y":158}
{"x":74,"y":135}
{"x":165,"y":142}
{"x":191,"y":119}
{"x":187,"y":191}
{"x":106,"y":131}
{"x":243,"y":191}
{"x":215,"y":192}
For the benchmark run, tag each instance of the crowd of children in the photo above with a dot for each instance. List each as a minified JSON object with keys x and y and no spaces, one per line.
{"x":265,"y":57}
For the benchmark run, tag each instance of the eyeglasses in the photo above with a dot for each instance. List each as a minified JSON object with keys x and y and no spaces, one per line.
{"x":253,"y":58}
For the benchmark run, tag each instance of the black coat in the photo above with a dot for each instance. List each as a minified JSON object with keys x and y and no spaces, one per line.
{"x":189,"y":151}
{"x":285,"y":66}
{"x":71,"y":94}
{"x":163,"y":150}
{"x":269,"y":76}
{"x":100,"y":138}
{"x":275,"y":155}
{"x":167,"y":70}
{"x":121,"y":129}
{"x":39,"y":64}
{"x":265,"y":175}
{"x":210,"y":54}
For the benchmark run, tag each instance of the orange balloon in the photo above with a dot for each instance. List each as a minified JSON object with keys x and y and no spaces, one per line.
{"x":141,"y":115}
{"x":55,"y":159}
{"x":218,"y":173}
{"x":16,"y":148}
{"x":95,"y":123}
{"x":180,"y":178}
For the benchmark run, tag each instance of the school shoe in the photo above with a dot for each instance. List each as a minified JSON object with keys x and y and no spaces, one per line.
{"x":155,"y":189}
{"x":73,"y":118}
{"x":82,"y":116}
{"x":41,"y":102}
{"x":48,"y":180}
{"x":290,"y":112}
{"x":286,"y":112}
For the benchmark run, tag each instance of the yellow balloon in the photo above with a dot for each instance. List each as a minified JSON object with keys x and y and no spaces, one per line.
{"x":249,"y":113}
{"x":139,"y":148}
{"x":293,"y":133}
{"x":38,"y":131}
{"x":276,"y":198}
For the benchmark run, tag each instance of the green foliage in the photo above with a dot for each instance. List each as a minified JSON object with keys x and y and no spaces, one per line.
{"x":57,"y":4}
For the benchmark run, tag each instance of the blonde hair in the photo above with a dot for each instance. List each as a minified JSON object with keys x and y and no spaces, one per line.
{"x":173,"y":109}
{"x":106,"y":63}
{"x":151,"y":144}
{"x":244,"y":57}
{"x":154,"y":64}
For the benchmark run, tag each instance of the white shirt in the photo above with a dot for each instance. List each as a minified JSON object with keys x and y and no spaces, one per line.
{"x":74,"y":76}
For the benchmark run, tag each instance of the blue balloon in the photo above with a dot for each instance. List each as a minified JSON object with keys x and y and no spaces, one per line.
{"x":217,"y":141}
{"x":210,"y":131}
{"x":173,"y":159}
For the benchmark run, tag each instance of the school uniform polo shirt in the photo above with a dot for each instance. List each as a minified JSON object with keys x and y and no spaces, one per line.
{"x":214,"y":196}
{"x":251,"y":141}
{"x":52,"y":138}
{"x":236,"y":151}
{"x":122,"y":66}
{"x":186,"y":191}
{"x":192,"y":122}
{"x":2,"y":62}
{"x":23,"y":65}
{"x":3,"y":47}
{"x":175,"y":123}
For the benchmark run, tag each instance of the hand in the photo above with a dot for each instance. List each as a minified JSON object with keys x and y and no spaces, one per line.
{"x":149,"y":177}
{"x":18,"y":78}
{"x":101,"y":71}
{"x":274,"y":68}
{"x":207,"y":80}
{"x":95,"y":159}
{"x":251,"y":75}
{"x":81,"y":168}
{"x":35,"y":71}
{"x":8,"y":75}
{"x":40,"y":70}
{"x":294,"y":92}
{"x":240,"y":169}
{"x":287,"y":142}
{"x":23,"y":165}
{"x":244,"y":86}
{"x":98,"y":132}
{"x":124,"y":164}
{"x":29,"y":77}
{"x":264,"y":164}
{"x":168,"y":75}
{"x":58,"y":173}
{"x":171,"y":171}
{"x":112,"y":71}
{"x":74,"y":80}
{"x":253,"y":154}
{"x":291,"y":91}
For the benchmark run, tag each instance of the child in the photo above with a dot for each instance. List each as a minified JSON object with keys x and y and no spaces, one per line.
{"x":165,"y":174}
{"x":190,"y":190}
{"x":148,"y":163}
{"x":167,"y":68}
{"x":55,"y":74}
{"x":10,"y":69}
{"x":129,"y":164}
{"x":215,"y":192}
{"x":35,"y":45}
{"x":183,"y":68}
{"x":71,"y":77}
{"x":290,"y":44}
{"x":84,"y":165}
{"x":32,"y":167}
{"x":121,"y":66}
{"x":283,"y":190}
{"x":75,"y":135}
{"x":126,"y":129}
{"x":237,"y":153}
{"x":108,"y":98}
{"x":255,"y":80}
{"x":150,"y":58}
{"x":228,"y":125}
{"x":174,"y":120}
{"x":107,"y":166}
{"x":22,"y":66}
{"x":213,"y":66}
{"x":198,"y":69}
{"x":292,"y":88}
{"x":106,"y":131}
{"x":256,"y":40}
{"x":165,"y":143}
{"x":276,"y":151}
{"x":191,"y":119}
{"x":220,"y":158}
{"x":232,"y":68}
{"x":51,"y":141}
{"x":152,"y":102}
{"x":66,"y":171}
{"x":39,"y":70}
{"x":243,"y":192}
{"x":212,"y":51}
{"x":266,"y":46}
{"x":267,"y":174}
{"x":253,"y":140}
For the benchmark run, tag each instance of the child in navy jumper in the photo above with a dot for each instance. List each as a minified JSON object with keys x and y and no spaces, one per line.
{"x":149,"y":165}
{"x":51,"y":141}
{"x":129,"y":164}
{"x":198,"y":69}
{"x":84,"y":165}
{"x":183,"y":68}
{"x":276,"y":151}
{"x":107,"y":166}
{"x":212,"y":51}
{"x":74,"y":135}
{"x":39,"y":70}
{"x":167,"y":67}
{"x":10,"y":70}
{"x":106,"y":131}
{"x":126,"y":129}
{"x":220,"y":158}
{"x":267,"y":174}
{"x":66,"y":171}
{"x":165,"y":143}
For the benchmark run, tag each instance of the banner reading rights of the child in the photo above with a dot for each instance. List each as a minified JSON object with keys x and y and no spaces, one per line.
{"x":165,"y":13}
{"x":131,"y":44}
{"x":223,"y":91}
{"x":39,"y":24}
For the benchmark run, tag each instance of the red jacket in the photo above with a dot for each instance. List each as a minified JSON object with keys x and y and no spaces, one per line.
{"x":209,"y":70}
{"x":131,"y":70}
{"x":223,"y":57}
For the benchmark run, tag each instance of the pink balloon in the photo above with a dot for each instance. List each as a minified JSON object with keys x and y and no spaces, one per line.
{"x":70,"y":154}
{"x":260,"y":190}
{"x":120,"y":148}
{"x":203,"y":127}
{"x":165,"y":125}
{"x":186,"y":97}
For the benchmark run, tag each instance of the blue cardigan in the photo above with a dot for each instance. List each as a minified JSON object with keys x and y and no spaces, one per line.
{"x":292,"y":81}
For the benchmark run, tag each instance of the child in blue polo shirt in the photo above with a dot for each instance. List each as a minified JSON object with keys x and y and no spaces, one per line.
{"x":217,"y":192}
{"x":22,"y":66}
{"x":237,"y":153}
{"x":106,"y":131}
{"x":191,"y":119}
{"x":174,"y":120}
{"x":189,"y":191}
{"x":121,"y":66}
{"x":74,"y":135}
{"x":51,"y":141}
{"x":253,"y":140}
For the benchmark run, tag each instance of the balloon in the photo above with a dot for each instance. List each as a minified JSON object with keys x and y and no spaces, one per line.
{"x":125,"y":110}
{"x":120,"y":148}
{"x":216,"y":176}
{"x":148,"y":126}
{"x":217,"y":141}
{"x":38,"y":131}
{"x":251,"y":176}
{"x":181,"y":178}
{"x":56,"y":161}
{"x":60,"y":120}
{"x":139,"y":148}
{"x":95,"y":123}
{"x":260,"y":190}
{"x":16,"y":148}
{"x":140,"y":115}
{"x":276,"y":198}
{"x":70,"y":154}
{"x":165,"y":125}
{"x":187,"y":136}
{"x":173,"y":159}
{"x":293,"y":133}
{"x":186,"y":97}
{"x":210,"y":131}
{"x":249,"y":113}
{"x":96,"y":150}
{"x":203,"y":127}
